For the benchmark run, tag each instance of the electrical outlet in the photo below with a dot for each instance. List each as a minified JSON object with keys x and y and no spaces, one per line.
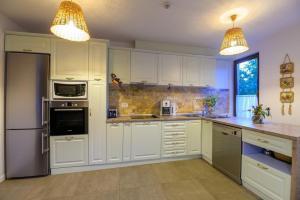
{"x":124,"y":105}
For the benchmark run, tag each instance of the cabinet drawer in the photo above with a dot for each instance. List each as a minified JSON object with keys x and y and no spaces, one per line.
{"x":173,"y":125}
{"x":173,"y":153}
{"x":174,"y":136}
{"x":264,"y":180}
{"x":273,"y":143}
{"x":27,"y":44}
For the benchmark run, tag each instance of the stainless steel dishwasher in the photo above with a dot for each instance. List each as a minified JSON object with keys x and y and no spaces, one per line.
{"x":227,"y":150}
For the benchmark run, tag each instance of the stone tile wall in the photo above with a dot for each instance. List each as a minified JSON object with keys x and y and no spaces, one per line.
{"x":145,"y":99}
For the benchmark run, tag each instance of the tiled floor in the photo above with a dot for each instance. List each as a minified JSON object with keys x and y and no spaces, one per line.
{"x":180,"y":180}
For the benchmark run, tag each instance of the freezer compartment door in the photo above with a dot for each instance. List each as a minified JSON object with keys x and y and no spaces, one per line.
{"x":27,"y":153}
{"x":27,"y":86}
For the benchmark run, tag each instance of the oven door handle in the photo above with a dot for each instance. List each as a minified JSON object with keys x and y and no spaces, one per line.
{"x":70,"y":109}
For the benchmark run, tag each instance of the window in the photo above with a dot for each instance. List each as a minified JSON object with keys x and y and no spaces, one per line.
{"x":246,"y":85}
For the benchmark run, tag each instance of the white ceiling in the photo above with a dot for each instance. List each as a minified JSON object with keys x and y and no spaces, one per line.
{"x":188,"y":22}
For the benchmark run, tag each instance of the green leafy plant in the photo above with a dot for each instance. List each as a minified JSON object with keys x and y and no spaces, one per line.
{"x":210,"y":101}
{"x":259,"y":113}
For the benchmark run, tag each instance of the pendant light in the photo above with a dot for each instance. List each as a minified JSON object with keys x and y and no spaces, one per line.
{"x":69,"y":22}
{"x":234,"y":41}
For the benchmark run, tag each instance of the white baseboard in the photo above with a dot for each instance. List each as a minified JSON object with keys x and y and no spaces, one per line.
{"x":64,"y":170}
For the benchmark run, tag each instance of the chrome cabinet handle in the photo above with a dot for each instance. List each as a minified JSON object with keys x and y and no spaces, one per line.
{"x":263,"y":141}
{"x":69,"y":138}
{"x":97,"y":79}
{"x":69,"y":78}
{"x":261,"y":166}
{"x":27,"y":50}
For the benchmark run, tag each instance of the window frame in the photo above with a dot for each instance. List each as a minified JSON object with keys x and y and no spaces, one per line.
{"x":235,"y":63}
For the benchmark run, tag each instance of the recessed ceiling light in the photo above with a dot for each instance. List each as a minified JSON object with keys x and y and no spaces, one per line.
{"x":239,"y":12}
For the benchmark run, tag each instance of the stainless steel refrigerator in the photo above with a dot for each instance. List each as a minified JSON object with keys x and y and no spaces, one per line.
{"x":26,"y":111}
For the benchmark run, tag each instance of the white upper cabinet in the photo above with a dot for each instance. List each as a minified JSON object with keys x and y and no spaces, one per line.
{"x":33,"y":44}
{"x":97,"y":60}
{"x":191,"y":67}
{"x":114,"y":142}
{"x":208,"y":72}
{"x":144,"y":67}
{"x":170,"y":69}
{"x":119,"y":64}
{"x":97,"y":122}
{"x":193,"y":129}
{"x":69,"y":60}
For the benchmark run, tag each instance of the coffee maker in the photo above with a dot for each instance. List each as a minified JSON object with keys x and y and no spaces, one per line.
{"x":167,"y":107}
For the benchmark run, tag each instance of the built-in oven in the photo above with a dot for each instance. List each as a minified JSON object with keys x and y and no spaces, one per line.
{"x":69,"y":89}
{"x":68,"y":118}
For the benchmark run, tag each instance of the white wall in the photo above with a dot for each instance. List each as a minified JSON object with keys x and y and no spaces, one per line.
{"x":224,"y":77}
{"x":272,"y":51}
{"x":5,"y":25}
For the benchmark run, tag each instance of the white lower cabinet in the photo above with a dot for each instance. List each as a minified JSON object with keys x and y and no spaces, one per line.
{"x":193,"y":130}
{"x":207,"y":131}
{"x":265,"y":181}
{"x":127,"y":142}
{"x":174,"y":139}
{"x":146,"y":140}
{"x":114,"y":142}
{"x":68,"y":151}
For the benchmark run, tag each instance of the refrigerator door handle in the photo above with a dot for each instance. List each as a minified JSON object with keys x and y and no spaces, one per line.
{"x":44,"y":135}
{"x":44,"y":100}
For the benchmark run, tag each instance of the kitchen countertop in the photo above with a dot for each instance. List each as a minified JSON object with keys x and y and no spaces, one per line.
{"x":276,"y":129}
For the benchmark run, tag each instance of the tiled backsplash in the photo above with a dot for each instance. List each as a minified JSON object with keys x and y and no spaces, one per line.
{"x":145,"y":99}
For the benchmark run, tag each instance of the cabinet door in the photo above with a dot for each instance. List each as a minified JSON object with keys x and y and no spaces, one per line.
{"x":114,"y":142}
{"x":265,"y":181}
{"x":97,"y":122}
{"x":69,"y":60}
{"x":127,"y":142}
{"x":193,"y":129}
{"x":97,"y":61}
{"x":170,"y":69}
{"x":146,"y":140}
{"x":119,"y":64}
{"x":191,"y":71}
{"x":144,"y":67}
{"x":33,"y":44}
{"x":69,"y":151}
{"x":207,"y":140}
{"x":208,"y":72}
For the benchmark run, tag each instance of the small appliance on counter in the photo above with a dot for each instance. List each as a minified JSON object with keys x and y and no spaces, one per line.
{"x":68,"y":118}
{"x":112,"y":113}
{"x":168,"y":108}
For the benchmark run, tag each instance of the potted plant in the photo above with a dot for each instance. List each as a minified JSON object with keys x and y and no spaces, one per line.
{"x":259,"y":113}
{"x":210,"y":103}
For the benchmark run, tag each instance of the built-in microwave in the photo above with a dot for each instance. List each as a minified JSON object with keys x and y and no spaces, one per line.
{"x":69,"y":89}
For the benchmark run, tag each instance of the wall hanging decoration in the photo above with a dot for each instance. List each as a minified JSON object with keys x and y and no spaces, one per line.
{"x":286,"y":84}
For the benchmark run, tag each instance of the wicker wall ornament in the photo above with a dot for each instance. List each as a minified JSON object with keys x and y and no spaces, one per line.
{"x":286,"y":84}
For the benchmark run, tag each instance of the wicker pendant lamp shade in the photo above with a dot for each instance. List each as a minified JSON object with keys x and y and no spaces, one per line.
{"x":234,"y":41}
{"x":69,"y":23}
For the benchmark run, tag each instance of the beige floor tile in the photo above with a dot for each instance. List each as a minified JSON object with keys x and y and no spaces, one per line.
{"x":179,"y":180}
{"x":142,"y":193}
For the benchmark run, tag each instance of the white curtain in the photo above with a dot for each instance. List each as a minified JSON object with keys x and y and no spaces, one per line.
{"x":243,"y":104}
